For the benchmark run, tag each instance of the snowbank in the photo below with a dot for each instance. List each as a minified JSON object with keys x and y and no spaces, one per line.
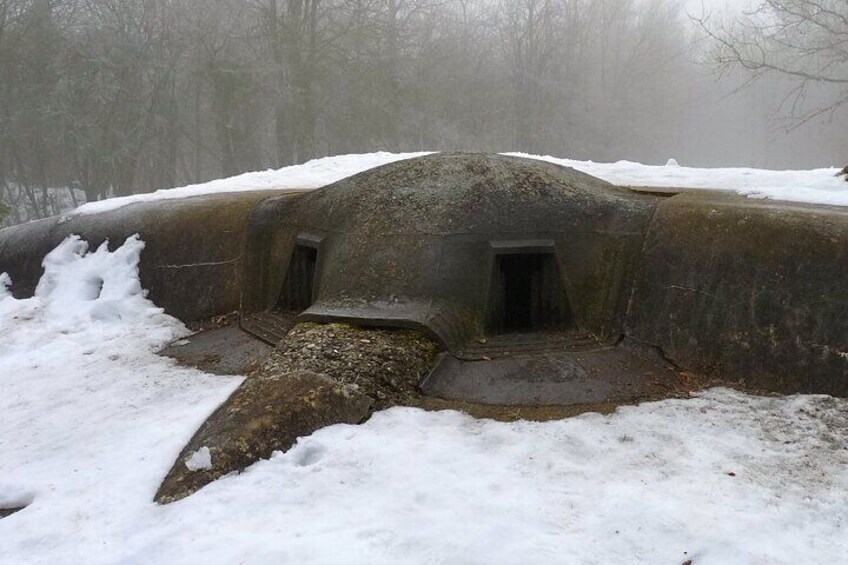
{"x":817,"y":186}
{"x":5,"y":283}
{"x":91,"y":420}
{"x":313,"y":174}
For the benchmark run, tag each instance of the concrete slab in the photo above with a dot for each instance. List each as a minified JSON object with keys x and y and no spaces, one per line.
{"x":270,"y":326}
{"x":619,"y":374}
{"x":222,"y":351}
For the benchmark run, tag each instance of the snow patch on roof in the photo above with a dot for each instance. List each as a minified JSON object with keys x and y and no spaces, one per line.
{"x":312,"y":174}
{"x":813,"y":186}
{"x":819,"y":186}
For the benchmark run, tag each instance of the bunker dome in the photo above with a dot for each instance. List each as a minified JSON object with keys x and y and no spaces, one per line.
{"x":460,"y":245}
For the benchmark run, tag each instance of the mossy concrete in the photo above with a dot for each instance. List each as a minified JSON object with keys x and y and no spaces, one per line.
{"x":192,"y":264}
{"x":748,"y":289}
{"x":265,"y":414}
{"x":317,"y":376}
{"x":731,"y":290}
{"x":414,"y":243}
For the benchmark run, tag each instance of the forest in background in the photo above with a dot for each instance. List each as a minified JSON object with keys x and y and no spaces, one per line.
{"x":102,"y":98}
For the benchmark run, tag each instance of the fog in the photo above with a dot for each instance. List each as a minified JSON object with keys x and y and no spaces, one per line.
{"x":100,"y":98}
{"x":732,"y":5}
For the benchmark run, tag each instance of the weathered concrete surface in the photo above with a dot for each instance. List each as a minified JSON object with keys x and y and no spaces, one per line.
{"x":262,"y":416}
{"x":319,"y":375}
{"x":221,"y":351}
{"x":748,"y":288}
{"x":385,"y":364}
{"x":22,"y":249}
{"x":192,"y":261}
{"x":414,"y":243}
{"x":611,"y":375}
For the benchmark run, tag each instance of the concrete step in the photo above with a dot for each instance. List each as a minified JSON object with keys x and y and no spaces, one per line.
{"x":524,"y":344}
{"x":222,"y":351}
{"x":270,"y":326}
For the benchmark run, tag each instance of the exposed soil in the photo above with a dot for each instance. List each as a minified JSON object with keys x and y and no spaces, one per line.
{"x":387,"y":365}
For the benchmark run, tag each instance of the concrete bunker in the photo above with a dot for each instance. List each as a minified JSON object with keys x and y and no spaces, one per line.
{"x":722,"y":285}
{"x":460,"y":246}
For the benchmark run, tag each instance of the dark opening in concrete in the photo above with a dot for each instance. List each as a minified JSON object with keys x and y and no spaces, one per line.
{"x":527,"y":294}
{"x":298,"y":288}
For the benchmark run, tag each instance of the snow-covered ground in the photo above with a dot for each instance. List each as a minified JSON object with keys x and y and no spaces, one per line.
{"x":817,"y":186}
{"x":91,"y":420}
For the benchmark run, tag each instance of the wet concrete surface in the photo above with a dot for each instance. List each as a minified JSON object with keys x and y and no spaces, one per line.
{"x":222,"y":351}
{"x":544,"y":384}
{"x":618,"y":374}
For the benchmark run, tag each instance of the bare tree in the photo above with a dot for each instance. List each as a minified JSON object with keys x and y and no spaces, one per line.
{"x":100,"y":98}
{"x":294,"y":30}
{"x":533,"y":31}
{"x":803,"y":40}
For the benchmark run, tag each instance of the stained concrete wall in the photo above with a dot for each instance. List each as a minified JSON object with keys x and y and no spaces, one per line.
{"x":749,"y":289}
{"x":192,"y":261}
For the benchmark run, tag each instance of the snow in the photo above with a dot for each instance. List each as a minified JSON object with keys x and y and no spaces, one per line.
{"x":813,"y":186}
{"x":817,"y":186}
{"x":199,"y":460}
{"x":91,"y":420}
{"x":14,"y":497}
{"x":102,"y":285}
{"x":5,"y":283}
{"x":312,"y":174}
